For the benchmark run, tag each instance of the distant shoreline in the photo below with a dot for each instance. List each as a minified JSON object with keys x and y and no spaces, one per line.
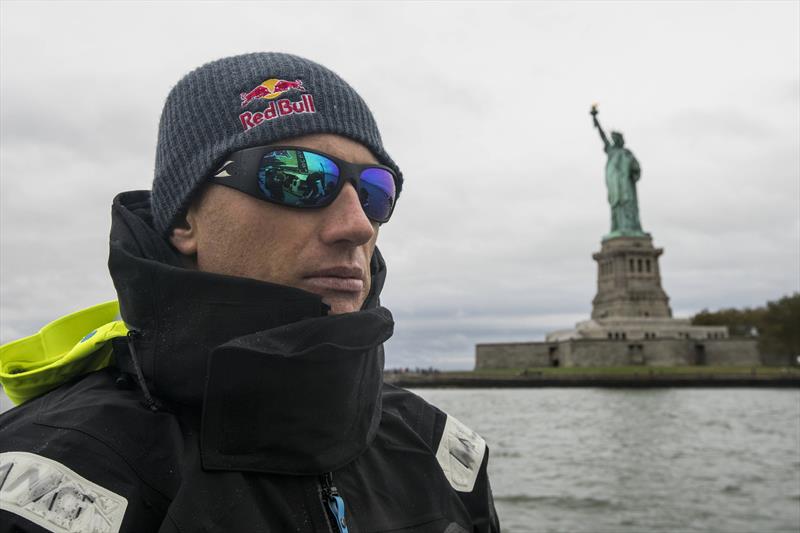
{"x":628,"y":377}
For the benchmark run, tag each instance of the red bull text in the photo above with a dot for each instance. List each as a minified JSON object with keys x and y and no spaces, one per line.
{"x":277,"y":108}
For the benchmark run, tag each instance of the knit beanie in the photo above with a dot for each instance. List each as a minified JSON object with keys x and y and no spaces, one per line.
{"x":244,"y":101}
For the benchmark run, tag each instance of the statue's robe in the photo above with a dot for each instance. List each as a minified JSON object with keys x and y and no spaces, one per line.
{"x":622,"y":173}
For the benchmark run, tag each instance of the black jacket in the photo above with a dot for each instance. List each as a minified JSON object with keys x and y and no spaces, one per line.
{"x":237,"y":406}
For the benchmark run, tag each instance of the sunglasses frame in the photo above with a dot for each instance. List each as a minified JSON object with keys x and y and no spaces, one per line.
{"x":240,"y":171}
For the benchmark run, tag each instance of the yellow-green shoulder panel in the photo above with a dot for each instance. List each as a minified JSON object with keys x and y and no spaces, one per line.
{"x":70,"y":346}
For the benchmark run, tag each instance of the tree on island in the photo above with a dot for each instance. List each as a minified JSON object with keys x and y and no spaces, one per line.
{"x":777,"y":325}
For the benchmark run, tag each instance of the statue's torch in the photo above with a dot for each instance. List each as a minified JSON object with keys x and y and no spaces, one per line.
{"x":593,"y":112}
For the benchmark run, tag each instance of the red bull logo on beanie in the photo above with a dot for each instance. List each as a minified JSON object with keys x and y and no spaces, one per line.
{"x":270,"y":90}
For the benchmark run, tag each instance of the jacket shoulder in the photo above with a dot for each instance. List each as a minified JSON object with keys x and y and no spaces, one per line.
{"x":459,"y":450}
{"x":90,"y":451}
{"x":424,"y":419}
{"x":461,"y":453}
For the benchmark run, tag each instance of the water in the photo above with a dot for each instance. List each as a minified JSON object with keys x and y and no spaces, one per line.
{"x":651,"y":460}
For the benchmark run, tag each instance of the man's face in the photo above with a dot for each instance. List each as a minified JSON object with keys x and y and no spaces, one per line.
{"x":325,"y":251}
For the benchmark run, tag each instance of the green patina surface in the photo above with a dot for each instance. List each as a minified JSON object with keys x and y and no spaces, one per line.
{"x":622,"y":173}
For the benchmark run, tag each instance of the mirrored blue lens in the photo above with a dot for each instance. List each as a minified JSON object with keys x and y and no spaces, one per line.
{"x":377,"y":193}
{"x":297,"y":178}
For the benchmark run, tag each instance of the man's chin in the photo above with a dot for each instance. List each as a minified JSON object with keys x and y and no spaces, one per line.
{"x":343,"y":303}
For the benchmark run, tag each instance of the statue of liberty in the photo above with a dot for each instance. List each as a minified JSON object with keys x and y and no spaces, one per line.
{"x":622,"y":173}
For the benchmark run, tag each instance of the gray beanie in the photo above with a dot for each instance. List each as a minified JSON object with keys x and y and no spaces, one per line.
{"x":243,"y":101}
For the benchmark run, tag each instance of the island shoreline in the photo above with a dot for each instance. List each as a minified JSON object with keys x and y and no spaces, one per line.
{"x":790,"y":378}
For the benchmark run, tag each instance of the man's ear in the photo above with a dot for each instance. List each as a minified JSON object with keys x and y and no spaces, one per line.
{"x":184,"y":235}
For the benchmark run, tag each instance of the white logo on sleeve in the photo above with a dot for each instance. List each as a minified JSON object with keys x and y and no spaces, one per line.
{"x":54,"y":497}
{"x":460,"y":454}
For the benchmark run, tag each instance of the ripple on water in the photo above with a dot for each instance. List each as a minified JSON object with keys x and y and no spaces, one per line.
{"x":562,"y":502}
{"x":503,"y":453}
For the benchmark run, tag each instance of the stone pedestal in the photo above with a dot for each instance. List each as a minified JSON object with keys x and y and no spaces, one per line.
{"x":629,"y":280}
{"x":631,"y":323}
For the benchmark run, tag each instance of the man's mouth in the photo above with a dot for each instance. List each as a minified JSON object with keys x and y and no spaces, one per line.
{"x":339,"y":279}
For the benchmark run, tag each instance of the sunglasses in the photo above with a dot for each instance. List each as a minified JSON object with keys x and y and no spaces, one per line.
{"x":299,"y":177}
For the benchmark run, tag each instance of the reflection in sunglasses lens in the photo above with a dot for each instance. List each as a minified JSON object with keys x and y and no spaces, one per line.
{"x":377,"y":193}
{"x":297,"y":178}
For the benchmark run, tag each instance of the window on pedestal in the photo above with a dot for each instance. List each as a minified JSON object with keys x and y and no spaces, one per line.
{"x":647,"y":266}
{"x":631,"y":265}
{"x":639,"y":264}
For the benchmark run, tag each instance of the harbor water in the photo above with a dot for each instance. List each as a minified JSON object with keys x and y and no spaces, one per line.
{"x":638,"y":460}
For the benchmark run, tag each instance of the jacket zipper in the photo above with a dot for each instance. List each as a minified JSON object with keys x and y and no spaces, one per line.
{"x":149,"y":402}
{"x":333,"y":502}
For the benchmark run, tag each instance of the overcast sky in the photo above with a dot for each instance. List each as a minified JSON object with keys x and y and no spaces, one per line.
{"x":484,"y":107}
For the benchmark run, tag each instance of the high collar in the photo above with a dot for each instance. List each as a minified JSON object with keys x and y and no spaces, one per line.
{"x":283,"y":386}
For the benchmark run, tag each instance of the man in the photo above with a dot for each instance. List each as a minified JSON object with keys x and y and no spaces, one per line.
{"x":242,"y":390}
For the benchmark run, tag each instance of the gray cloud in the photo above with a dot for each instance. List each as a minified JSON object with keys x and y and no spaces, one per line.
{"x":484,"y":106}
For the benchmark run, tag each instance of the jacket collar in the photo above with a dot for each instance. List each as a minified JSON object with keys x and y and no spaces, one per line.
{"x":265,"y":363}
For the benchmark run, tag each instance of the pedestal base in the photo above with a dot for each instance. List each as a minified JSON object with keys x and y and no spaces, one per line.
{"x":629,"y":279}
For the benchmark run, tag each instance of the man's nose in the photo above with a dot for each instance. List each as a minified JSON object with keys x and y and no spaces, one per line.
{"x":346,"y":220}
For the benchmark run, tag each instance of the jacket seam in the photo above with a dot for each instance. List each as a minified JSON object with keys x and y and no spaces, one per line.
{"x":114,"y":450}
{"x":173,"y":521}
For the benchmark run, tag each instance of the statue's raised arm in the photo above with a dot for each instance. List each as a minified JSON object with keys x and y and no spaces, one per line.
{"x":593,"y":112}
